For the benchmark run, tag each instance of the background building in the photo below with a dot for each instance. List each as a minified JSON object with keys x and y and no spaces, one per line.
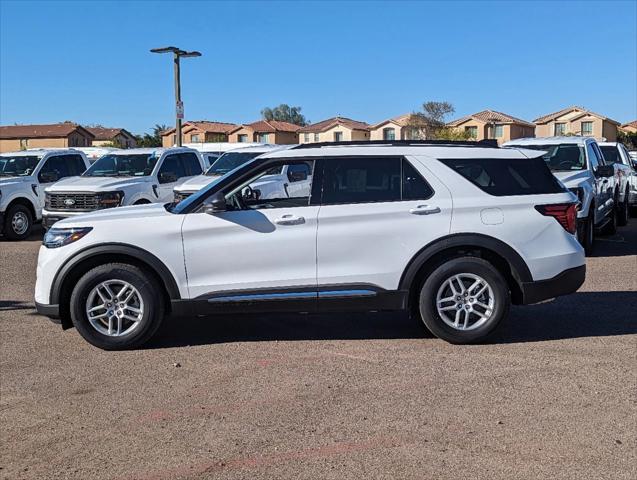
{"x":490,"y":124}
{"x":630,"y":127}
{"x":57,"y":135}
{"x":336,"y":129}
{"x":391,"y":129}
{"x":117,"y":137}
{"x":265,"y":131}
{"x":199,"y":131}
{"x":576,"y":121}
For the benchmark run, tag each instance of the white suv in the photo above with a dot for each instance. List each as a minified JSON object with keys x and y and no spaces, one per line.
{"x":452,"y":233}
{"x":121,"y":178}
{"x":23,"y":177}
{"x":579,"y":163}
{"x":222,"y":165}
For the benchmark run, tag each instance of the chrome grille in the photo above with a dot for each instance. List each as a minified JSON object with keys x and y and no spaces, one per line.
{"x":179,"y":196}
{"x":71,"y":201}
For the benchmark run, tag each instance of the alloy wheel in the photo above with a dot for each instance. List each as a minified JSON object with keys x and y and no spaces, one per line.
{"x":114,"y":308}
{"x":465,"y":301}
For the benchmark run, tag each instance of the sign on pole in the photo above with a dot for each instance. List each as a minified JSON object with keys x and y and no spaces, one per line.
{"x":180,"y":110}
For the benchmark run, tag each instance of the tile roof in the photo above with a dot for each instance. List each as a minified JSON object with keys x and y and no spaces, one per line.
{"x":489,"y":116}
{"x":273,"y":126}
{"x":333,"y":122}
{"x":55,"y":130}
{"x":102,"y":133}
{"x":630,"y":124}
{"x":554,"y":115}
{"x":401,"y":120}
{"x":203,"y":126}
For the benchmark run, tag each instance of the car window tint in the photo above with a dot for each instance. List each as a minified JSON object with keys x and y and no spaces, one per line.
{"x":502,"y":177}
{"x":414,"y":186}
{"x":191,"y":164}
{"x":611,"y":154}
{"x":172,"y":165}
{"x":57,"y":166}
{"x":361,"y":180}
{"x":76,"y":165}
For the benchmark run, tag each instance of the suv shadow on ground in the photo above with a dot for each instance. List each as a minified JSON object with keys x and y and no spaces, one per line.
{"x":585,"y":314}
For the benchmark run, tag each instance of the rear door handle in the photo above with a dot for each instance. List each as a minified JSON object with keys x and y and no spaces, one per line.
{"x":425,"y":210}
{"x":289,"y":219}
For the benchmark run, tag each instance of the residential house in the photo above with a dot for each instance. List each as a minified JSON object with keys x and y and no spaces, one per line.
{"x":198,"y":131}
{"x":490,"y":124}
{"x":392,"y":129}
{"x":56,"y":135}
{"x":118,"y":137}
{"x":336,"y":129}
{"x":576,"y":121}
{"x":630,"y":127}
{"x":265,"y":131}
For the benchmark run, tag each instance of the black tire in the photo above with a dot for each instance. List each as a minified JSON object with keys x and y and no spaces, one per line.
{"x":149,"y":290}
{"x":586,"y":235}
{"x":622,"y":212}
{"x":611,"y":226}
{"x":25,"y":215}
{"x":468,"y":265}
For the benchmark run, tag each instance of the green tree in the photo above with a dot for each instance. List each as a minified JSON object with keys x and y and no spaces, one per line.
{"x":629,"y":139}
{"x":285,"y":113}
{"x":151,"y":139}
{"x":431,"y":123}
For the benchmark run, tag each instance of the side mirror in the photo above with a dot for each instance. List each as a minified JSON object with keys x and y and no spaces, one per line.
{"x":215,"y":203}
{"x":167,"y":177}
{"x":48,"y":177}
{"x":605,"y":171}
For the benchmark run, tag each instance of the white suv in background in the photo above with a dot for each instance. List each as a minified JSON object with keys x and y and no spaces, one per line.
{"x":579,"y":163}
{"x":23,"y":177}
{"x":616,"y":153}
{"x":452,"y":233}
{"x":120,"y":178}
{"x":222,"y":165}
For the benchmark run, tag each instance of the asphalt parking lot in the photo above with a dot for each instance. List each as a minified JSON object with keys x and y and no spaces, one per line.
{"x":554,"y":395}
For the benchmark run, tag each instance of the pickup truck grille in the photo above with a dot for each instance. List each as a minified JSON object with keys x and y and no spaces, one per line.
{"x":179,"y":196}
{"x":71,"y":201}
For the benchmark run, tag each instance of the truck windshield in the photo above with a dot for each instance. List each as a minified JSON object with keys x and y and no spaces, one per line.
{"x":17,"y":166}
{"x":229,"y":161}
{"x":561,"y":157}
{"x":132,"y":165}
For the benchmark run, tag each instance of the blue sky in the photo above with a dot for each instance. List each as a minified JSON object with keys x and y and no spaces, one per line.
{"x":89,"y":62}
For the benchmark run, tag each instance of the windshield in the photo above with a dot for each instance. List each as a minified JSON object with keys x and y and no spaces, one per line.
{"x":17,"y":166}
{"x":561,"y":157}
{"x":132,"y":165}
{"x":229,"y":161}
{"x":611,"y":154}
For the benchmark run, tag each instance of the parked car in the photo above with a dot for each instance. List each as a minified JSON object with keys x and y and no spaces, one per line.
{"x":23,"y":177}
{"x":120,"y":178}
{"x":211,"y":151}
{"x":451,"y":233}
{"x":225,"y":163}
{"x":579,"y":164}
{"x":617,"y":154}
{"x":93,"y":153}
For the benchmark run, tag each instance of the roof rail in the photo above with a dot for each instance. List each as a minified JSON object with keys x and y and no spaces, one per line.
{"x":486,"y":143}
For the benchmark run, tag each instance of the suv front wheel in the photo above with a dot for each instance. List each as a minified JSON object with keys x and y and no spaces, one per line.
{"x":116,"y":306}
{"x":463,"y":300}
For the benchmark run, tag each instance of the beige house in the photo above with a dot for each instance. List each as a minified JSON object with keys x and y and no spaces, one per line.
{"x":200,"y":131}
{"x":112,"y":136}
{"x":265,"y":131}
{"x":490,"y":124}
{"x":630,"y":127}
{"x":576,"y":121}
{"x":336,"y":129}
{"x":57,"y":135}
{"x":392,"y":129}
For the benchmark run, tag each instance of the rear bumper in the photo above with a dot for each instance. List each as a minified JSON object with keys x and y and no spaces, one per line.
{"x":566,"y":282}
{"x":51,"y":311}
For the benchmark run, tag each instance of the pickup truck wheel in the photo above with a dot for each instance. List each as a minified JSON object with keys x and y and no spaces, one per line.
{"x":116,"y":306}
{"x":622,"y":211}
{"x":585,"y":235}
{"x":18,"y":222}
{"x":464,"y":300}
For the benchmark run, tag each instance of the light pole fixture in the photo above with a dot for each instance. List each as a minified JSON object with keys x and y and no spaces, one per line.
{"x":179,"y":105}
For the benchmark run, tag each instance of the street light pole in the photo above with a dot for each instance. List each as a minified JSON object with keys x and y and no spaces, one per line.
{"x":179,"y":106}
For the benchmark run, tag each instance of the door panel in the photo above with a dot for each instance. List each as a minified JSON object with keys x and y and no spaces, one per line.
{"x":250,"y":249}
{"x":371,"y":243}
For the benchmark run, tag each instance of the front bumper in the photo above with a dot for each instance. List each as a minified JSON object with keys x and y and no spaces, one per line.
{"x":50,"y":217}
{"x":51,"y":311}
{"x":562,"y":284}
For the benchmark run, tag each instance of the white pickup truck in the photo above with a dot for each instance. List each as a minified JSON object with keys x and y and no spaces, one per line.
{"x":23,"y":177}
{"x":225,"y":163}
{"x":121,"y":178}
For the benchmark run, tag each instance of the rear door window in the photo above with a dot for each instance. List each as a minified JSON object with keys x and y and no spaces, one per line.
{"x":505,"y":177}
{"x":191,"y":164}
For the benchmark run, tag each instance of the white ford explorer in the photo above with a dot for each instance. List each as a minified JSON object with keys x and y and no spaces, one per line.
{"x":452,"y":233}
{"x":23,"y":177}
{"x":121,"y":178}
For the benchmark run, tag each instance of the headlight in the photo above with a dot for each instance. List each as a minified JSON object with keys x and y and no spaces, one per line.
{"x":58,"y":237}
{"x":110,"y":199}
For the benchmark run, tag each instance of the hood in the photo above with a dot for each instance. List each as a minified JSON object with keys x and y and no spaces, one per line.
{"x":149,"y":210}
{"x":195,"y":184}
{"x":573,"y":178}
{"x":96,"y":184}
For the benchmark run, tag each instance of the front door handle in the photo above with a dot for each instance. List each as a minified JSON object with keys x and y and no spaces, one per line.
{"x":289,"y":219}
{"x":425,"y":210}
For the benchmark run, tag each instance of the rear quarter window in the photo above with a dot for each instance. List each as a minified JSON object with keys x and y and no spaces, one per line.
{"x":505,"y":177}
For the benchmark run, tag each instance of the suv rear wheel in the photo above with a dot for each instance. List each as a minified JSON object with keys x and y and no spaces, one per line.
{"x":116,"y":306}
{"x":464,"y":300}
{"x":18,"y":222}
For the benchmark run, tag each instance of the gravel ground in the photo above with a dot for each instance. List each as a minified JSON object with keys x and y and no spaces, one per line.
{"x":554,"y":395}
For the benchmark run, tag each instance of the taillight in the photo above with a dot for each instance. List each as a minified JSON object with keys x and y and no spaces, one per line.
{"x":565,"y":213}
